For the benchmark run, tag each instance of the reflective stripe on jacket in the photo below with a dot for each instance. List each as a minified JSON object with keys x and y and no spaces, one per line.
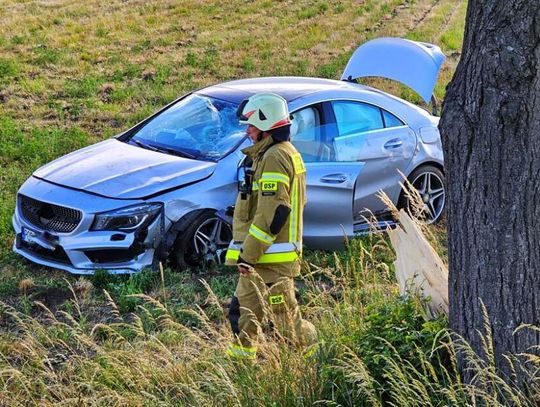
{"x":276,"y":253}
{"x":267,"y":224}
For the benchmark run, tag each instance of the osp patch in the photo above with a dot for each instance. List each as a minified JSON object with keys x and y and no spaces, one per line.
{"x":276,"y":299}
{"x":269,"y":187}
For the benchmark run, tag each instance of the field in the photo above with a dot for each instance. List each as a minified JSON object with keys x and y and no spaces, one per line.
{"x":74,"y":73}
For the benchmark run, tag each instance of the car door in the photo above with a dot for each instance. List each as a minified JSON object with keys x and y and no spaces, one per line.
{"x":328,"y":215}
{"x":383,"y":144}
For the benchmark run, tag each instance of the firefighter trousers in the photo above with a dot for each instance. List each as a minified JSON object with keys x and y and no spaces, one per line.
{"x":257,"y":304}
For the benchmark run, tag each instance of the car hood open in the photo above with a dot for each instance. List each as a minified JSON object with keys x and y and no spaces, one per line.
{"x":415,"y":64}
{"x":119,"y":170}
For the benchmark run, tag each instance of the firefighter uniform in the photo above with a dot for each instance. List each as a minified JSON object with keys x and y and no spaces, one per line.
{"x":267,"y":235}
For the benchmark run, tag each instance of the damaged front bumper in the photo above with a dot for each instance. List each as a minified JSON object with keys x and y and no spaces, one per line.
{"x":81,"y":250}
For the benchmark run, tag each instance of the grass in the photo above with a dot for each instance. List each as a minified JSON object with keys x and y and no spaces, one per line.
{"x":376,"y":347}
{"x":74,"y":73}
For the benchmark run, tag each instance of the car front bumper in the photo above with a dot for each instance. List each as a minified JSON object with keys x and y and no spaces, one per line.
{"x":82,"y":251}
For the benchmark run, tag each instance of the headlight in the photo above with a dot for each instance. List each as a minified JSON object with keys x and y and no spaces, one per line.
{"x":126,"y":219}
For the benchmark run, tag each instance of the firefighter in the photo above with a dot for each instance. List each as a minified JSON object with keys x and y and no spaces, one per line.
{"x":267,"y":230}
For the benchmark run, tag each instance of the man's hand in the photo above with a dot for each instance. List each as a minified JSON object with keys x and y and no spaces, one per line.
{"x":244,"y":267}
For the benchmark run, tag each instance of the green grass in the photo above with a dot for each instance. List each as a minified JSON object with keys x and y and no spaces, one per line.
{"x":74,"y":73}
{"x":8,"y":68}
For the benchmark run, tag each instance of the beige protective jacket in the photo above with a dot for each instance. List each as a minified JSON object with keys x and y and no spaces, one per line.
{"x":267,"y":223}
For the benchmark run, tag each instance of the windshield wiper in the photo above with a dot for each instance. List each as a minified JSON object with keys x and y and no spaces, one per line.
{"x":180,"y":153}
{"x":173,"y":151}
{"x":145,"y":146}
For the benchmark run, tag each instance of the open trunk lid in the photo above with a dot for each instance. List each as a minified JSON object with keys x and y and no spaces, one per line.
{"x":414,"y":64}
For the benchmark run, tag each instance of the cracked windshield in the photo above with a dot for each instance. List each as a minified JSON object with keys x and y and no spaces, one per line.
{"x":197,"y":127}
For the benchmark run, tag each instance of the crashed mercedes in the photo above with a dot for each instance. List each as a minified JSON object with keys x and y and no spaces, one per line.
{"x":159,"y":190}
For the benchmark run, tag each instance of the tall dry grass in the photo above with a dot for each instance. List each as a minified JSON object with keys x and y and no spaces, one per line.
{"x":376,"y":348}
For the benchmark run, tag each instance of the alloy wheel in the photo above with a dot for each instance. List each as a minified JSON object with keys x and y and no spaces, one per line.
{"x":430,"y":187}
{"x":210,"y":241}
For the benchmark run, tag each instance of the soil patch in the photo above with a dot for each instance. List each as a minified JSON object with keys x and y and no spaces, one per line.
{"x":53,"y":297}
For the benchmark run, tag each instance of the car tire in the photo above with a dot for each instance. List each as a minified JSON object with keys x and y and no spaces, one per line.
{"x":429,"y":181}
{"x":202,"y":244}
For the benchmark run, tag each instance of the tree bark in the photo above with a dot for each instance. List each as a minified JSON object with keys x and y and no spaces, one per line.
{"x":491,"y":134}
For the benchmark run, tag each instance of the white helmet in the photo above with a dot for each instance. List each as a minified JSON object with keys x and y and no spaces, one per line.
{"x":266,"y":111}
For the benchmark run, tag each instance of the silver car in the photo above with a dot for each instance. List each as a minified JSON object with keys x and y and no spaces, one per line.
{"x":159,"y":190}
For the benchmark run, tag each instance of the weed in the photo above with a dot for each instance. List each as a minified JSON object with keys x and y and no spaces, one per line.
{"x":82,"y":88}
{"x":248,"y":64}
{"x":101,"y":32}
{"x":191,"y":59}
{"x":310,"y":12}
{"x":102,"y":278}
{"x":8,"y":68}
{"x":46,"y":56}
{"x":18,"y":39}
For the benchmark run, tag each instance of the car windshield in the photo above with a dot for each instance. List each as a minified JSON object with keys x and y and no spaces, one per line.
{"x":198,"y":127}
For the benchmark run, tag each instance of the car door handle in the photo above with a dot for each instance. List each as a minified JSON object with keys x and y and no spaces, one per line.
{"x":334,"y":178}
{"x":394,"y":143}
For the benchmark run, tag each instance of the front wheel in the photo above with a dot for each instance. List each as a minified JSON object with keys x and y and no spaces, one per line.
{"x":430,"y":202}
{"x":203,"y":244}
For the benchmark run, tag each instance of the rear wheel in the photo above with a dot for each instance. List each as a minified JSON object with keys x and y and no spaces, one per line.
{"x":428,"y":181}
{"x":203,"y":244}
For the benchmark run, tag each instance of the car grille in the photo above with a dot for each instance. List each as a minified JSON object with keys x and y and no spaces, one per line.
{"x":50,"y":217}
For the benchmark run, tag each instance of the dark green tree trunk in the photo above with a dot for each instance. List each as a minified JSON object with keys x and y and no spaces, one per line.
{"x":491,"y":134}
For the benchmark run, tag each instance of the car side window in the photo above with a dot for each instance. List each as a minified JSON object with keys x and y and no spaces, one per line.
{"x":304,"y":124}
{"x":306,"y":131}
{"x":354,"y":121}
{"x":356,"y":117}
{"x":390,"y":120}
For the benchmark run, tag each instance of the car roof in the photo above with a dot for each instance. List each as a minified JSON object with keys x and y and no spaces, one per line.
{"x":303,"y":89}
{"x":289,"y":87}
